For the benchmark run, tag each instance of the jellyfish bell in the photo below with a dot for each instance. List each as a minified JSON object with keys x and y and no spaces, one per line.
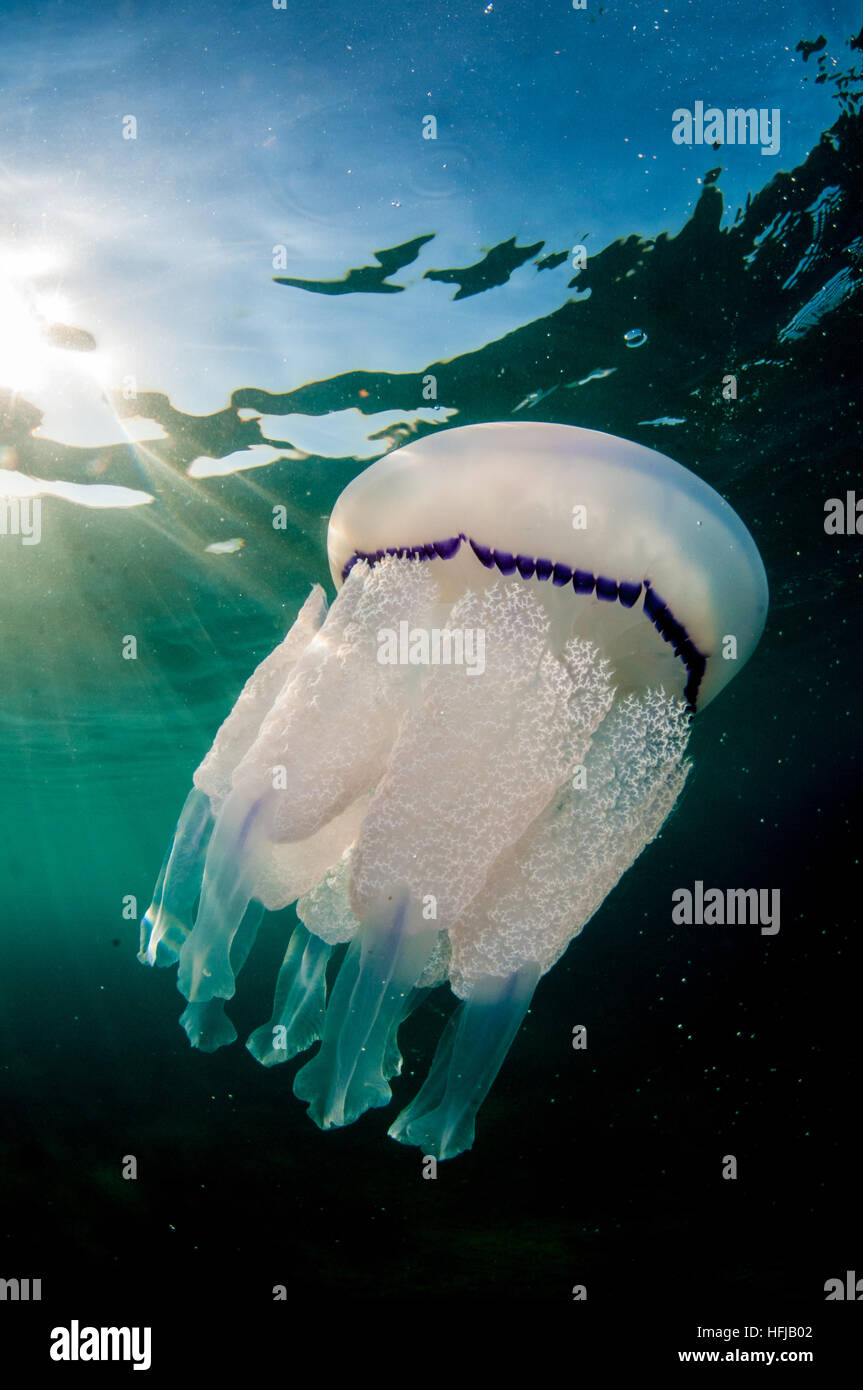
{"x":580,"y":512}
{"x":450,"y":829}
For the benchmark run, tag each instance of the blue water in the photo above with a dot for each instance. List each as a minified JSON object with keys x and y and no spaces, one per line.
{"x":146,"y":341}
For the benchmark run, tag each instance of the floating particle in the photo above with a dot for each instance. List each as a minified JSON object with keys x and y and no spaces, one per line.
{"x":225,"y":547}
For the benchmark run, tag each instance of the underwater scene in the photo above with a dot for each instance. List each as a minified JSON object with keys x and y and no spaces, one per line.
{"x":430,"y":650}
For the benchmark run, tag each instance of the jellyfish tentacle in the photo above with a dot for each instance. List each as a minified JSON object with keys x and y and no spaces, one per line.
{"x":168,"y":920}
{"x":392,"y":1059}
{"x":299,"y":1007}
{"x":372,"y":994}
{"x":441,"y":1117}
{"x":326,"y":920}
{"x":241,"y":829}
{"x":206,"y":1024}
{"x":299,"y":1003}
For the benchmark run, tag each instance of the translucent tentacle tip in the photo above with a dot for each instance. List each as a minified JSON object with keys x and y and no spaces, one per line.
{"x":207,"y":1026}
{"x":168,"y":920}
{"x":441,"y":1118}
{"x":373,"y":990}
{"x":299,"y":1004}
{"x":205,"y":969}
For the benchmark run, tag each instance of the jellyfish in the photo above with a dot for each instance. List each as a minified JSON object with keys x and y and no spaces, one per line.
{"x":449,"y":769}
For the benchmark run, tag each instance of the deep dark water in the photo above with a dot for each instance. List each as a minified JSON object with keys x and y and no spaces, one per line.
{"x":601,"y":1167}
